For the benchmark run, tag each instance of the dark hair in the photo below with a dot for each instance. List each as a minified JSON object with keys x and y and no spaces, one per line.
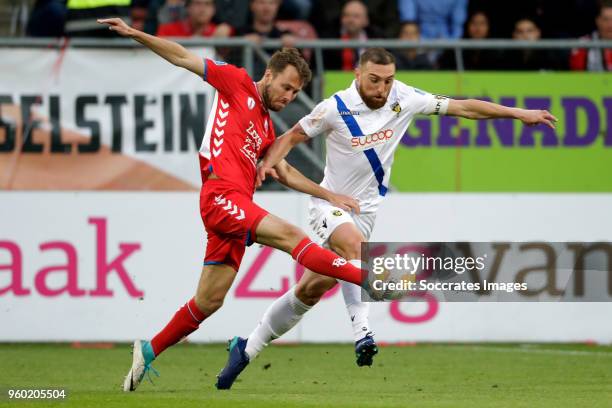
{"x":378,"y":56}
{"x":188,"y":3}
{"x":469,"y":20}
{"x":290,"y":56}
{"x":410,"y":22}
{"x":604,"y":5}
{"x":529,"y":18}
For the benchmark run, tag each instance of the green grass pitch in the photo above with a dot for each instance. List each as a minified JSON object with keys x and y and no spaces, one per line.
{"x":427,"y":375}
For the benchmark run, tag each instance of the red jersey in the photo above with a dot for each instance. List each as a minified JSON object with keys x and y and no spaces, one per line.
{"x":239,"y":128}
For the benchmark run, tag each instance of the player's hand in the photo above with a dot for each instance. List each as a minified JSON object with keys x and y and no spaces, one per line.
{"x":262,"y":172}
{"x":117,"y":25}
{"x":345,"y":202}
{"x":538,"y":117}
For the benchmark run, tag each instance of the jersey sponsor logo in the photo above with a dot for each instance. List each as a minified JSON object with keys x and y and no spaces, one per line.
{"x":349,"y":113}
{"x":338,"y":262}
{"x":250,"y":103}
{"x":252,"y":143}
{"x":371,"y":140}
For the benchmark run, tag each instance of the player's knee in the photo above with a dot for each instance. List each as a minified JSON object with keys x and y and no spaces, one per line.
{"x":291,"y":235}
{"x":294,"y":233}
{"x":349,"y":248}
{"x":208,"y":304}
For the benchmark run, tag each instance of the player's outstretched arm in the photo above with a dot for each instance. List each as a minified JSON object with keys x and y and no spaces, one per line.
{"x":475,"y":109}
{"x":278,"y":151}
{"x":169,"y":50}
{"x":294,"y":179}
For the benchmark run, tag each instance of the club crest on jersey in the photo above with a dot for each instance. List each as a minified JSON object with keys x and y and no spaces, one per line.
{"x":337,"y":213}
{"x":396,"y":107}
{"x":250,"y":103}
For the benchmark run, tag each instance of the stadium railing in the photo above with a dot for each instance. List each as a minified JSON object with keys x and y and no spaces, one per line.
{"x":249,"y":54}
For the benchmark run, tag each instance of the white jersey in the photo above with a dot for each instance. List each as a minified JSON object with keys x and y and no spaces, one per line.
{"x":361,"y":142}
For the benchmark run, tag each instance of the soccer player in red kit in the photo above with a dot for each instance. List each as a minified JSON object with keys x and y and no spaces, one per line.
{"x":238,"y":132}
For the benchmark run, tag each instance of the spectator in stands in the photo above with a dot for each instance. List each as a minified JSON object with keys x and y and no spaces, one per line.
{"x":477,"y":28}
{"x":526,"y":29}
{"x":558,"y":18}
{"x":354,"y":25}
{"x":263,"y":26}
{"x":47,"y":19}
{"x":139,"y":14}
{"x":163,"y":12}
{"x":264,"y":13}
{"x":596,"y":59}
{"x":325,"y":16}
{"x":436,"y":19}
{"x":411,"y":58}
{"x":82,"y":17}
{"x":199,"y":22}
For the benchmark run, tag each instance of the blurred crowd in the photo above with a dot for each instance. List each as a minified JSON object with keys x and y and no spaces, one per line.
{"x":407,"y":20}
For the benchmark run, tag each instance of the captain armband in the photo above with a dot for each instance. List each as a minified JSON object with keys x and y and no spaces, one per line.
{"x":440,"y":105}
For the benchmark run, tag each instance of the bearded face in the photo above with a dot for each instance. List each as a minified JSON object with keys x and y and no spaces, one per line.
{"x":375,"y":100}
{"x":374,"y":82}
{"x":281,"y":89}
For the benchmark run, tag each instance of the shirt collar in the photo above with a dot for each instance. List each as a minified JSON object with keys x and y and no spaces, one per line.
{"x":354,"y":94}
{"x":263,"y":105}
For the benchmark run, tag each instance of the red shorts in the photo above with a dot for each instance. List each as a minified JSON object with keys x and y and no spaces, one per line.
{"x":230,"y":218}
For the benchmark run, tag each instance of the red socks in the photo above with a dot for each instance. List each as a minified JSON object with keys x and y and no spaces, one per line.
{"x":325,"y":262}
{"x":185,"y":321}
{"x":188,"y":318}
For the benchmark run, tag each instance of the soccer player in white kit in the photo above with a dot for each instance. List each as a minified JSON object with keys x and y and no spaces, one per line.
{"x":364,"y":125}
